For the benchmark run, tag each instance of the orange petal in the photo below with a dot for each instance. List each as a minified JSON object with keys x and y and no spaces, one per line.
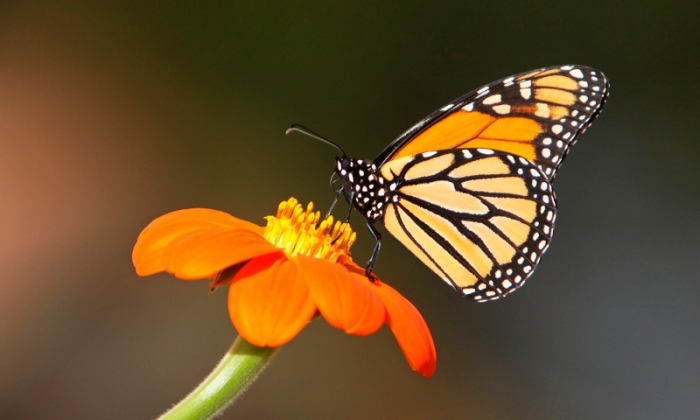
{"x":201,"y":254}
{"x":148,"y":251}
{"x":202,"y":217}
{"x":345,"y":300}
{"x":410,"y":329}
{"x":268,"y":302}
{"x":351,"y":266}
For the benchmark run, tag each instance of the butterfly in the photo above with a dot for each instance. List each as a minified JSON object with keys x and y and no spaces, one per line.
{"x":468,"y":189}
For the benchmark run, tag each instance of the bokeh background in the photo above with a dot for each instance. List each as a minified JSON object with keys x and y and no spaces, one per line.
{"x":113,"y":113}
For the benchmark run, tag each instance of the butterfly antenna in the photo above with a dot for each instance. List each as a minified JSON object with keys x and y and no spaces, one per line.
{"x":304,"y":130}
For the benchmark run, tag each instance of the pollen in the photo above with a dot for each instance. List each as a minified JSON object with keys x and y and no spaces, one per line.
{"x":302,"y":232}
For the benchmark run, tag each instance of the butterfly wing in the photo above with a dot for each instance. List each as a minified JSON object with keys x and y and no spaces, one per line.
{"x":479,"y":218}
{"x":537,"y":115}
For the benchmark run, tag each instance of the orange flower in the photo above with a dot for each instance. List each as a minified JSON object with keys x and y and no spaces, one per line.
{"x":282,"y":274}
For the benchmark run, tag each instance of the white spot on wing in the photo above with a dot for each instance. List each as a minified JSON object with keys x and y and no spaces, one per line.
{"x":577,"y":73}
{"x":493,"y":99}
{"x":502,"y":109}
{"x":542,"y":110}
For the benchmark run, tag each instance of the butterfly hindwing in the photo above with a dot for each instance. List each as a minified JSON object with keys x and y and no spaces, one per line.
{"x":479,"y":218}
{"x":537,"y":115}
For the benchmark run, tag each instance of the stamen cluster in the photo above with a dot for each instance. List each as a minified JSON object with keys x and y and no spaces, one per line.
{"x":298,"y":232}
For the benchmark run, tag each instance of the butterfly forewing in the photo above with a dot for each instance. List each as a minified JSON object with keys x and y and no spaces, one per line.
{"x":537,"y":115}
{"x":479,"y":218}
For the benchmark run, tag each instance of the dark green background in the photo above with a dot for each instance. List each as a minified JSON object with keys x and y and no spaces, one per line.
{"x":113,"y":114}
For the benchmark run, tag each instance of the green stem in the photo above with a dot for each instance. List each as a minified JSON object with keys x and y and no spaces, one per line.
{"x":235,"y":372}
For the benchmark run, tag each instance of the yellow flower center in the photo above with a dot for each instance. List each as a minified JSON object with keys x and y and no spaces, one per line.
{"x":299,"y":232}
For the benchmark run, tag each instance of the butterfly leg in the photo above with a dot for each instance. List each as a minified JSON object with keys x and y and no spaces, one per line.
{"x":335,"y":201}
{"x":375,"y":253}
{"x":347,"y":219}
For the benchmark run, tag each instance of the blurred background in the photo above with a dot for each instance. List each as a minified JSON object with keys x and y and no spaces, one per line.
{"x":113,"y":113}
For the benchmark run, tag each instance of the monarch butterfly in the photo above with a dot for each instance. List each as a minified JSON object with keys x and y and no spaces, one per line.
{"x":468,"y":189}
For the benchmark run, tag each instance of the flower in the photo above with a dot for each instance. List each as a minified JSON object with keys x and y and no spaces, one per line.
{"x":282,"y":274}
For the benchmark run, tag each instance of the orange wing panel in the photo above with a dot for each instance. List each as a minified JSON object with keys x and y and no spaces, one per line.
{"x":558,"y":81}
{"x":475,"y":129}
{"x":557,"y":96}
{"x":447,"y":133}
{"x":513,"y":129}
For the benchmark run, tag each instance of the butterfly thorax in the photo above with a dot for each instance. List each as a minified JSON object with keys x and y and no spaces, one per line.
{"x":363,"y":186}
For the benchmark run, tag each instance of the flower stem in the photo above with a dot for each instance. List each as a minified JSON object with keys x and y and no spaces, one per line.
{"x":235,"y":372}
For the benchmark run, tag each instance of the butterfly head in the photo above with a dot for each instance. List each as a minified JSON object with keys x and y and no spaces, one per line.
{"x":363,"y":187}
